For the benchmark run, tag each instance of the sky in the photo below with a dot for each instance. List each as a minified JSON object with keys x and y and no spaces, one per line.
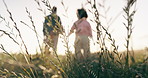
{"x":139,"y":38}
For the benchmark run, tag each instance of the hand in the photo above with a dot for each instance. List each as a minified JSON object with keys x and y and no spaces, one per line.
{"x":68,"y":34}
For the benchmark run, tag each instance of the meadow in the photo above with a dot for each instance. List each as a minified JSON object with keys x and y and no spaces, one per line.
{"x":105,"y":63}
{"x":99,"y":65}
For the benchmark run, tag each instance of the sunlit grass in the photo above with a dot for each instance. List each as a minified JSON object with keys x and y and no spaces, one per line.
{"x":96,"y":66}
{"x":103,"y":64}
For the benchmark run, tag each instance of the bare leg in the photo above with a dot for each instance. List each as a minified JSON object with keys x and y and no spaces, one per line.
{"x":47,"y":43}
{"x":55,"y":42}
{"x":78,"y":53}
{"x":86,"y":46}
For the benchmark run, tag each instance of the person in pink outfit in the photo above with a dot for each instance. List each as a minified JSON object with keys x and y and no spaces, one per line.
{"x":83,"y":31}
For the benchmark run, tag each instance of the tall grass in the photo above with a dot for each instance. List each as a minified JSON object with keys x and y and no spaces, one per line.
{"x":103,"y":64}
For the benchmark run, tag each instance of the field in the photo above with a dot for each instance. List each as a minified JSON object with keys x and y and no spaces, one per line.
{"x":99,"y":65}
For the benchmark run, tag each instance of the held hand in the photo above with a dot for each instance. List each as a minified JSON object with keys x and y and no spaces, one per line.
{"x":68,"y":34}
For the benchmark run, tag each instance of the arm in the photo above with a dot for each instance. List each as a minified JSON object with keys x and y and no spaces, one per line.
{"x":45,"y":27}
{"x":90,"y":30}
{"x":60,"y":26}
{"x":72,"y":29}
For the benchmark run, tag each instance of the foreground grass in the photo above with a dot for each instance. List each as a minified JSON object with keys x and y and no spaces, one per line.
{"x":99,"y":65}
